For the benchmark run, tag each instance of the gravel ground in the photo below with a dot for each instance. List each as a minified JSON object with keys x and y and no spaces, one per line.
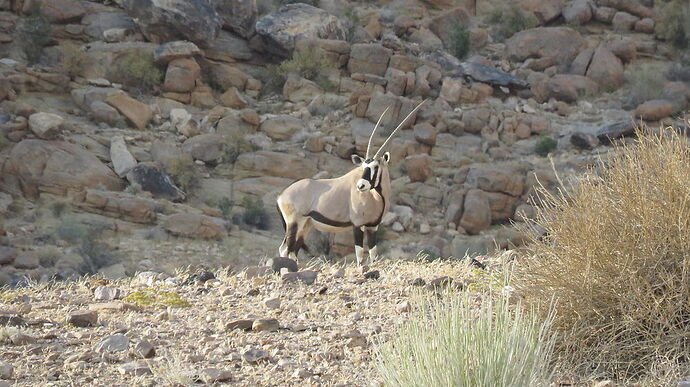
{"x":326,"y":333}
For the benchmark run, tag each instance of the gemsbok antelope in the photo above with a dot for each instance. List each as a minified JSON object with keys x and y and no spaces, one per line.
{"x":356,"y":200}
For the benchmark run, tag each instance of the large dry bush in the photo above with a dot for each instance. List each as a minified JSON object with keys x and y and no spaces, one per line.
{"x":616,"y":258}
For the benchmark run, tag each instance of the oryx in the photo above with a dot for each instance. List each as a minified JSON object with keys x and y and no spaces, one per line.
{"x":356,"y":200}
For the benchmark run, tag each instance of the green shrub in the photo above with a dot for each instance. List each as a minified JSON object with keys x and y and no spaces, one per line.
{"x":613,"y":252}
{"x":234,"y":146}
{"x":674,"y":25}
{"x":35,"y":33}
{"x":545,"y":145}
{"x":182,"y":171}
{"x":225,"y":206}
{"x":255,"y":214}
{"x":459,"y":44}
{"x":58,"y":208}
{"x":272,"y":80}
{"x":158,"y":298}
{"x":509,"y":21}
{"x":74,"y":59}
{"x":458,"y":341}
{"x":137,"y":71}
{"x":306,"y":63}
{"x":3,"y":141}
{"x":96,"y":254}
{"x":352,"y":21}
{"x":645,"y":82}
{"x":680,"y":71}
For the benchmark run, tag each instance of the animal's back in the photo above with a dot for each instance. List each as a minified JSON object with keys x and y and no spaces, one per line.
{"x":323,"y":196}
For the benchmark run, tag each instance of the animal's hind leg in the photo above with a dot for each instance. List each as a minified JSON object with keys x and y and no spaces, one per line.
{"x":286,"y":212}
{"x":302,"y":232}
{"x":287,"y":249}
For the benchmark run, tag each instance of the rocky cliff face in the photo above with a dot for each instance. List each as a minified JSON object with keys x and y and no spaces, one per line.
{"x":164,"y":129}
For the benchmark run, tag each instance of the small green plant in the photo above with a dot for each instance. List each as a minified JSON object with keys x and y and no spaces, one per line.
{"x":271,"y":79}
{"x":307,"y":64}
{"x":182,"y":170}
{"x":458,"y":341}
{"x":225,"y":206}
{"x":645,"y":82}
{"x":255,"y":214}
{"x":58,"y":208}
{"x":459,"y":43}
{"x":352,"y":21}
{"x":137,"y":70}
{"x":159,"y":298}
{"x":3,"y":141}
{"x":234,"y":146}
{"x":674,"y":25}
{"x":96,"y":254}
{"x":545,"y":145}
{"x":74,"y":59}
{"x":35,"y":33}
{"x":509,"y":21}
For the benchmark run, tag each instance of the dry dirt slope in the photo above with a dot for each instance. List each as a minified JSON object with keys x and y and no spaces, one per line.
{"x":326,"y":332}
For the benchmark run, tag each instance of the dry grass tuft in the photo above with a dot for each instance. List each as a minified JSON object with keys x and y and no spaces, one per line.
{"x":615,"y":257}
{"x":464,"y":340}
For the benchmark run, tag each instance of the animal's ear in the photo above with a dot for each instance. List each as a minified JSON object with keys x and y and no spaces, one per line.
{"x":386,"y":157}
{"x":356,"y":160}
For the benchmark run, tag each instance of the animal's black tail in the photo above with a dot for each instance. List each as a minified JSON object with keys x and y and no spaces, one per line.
{"x":281,"y":217}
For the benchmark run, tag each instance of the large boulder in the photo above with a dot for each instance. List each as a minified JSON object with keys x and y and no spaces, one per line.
{"x":544,"y":11}
{"x":122,"y":159}
{"x":195,"y":226}
{"x":118,"y":204}
{"x":208,"y":147}
{"x":139,"y":114}
{"x":578,"y":12}
{"x":654,"y":110}
{"x":564,"y":87}
{"x":36,"y":166}
{"x":166,"y":20}
{"x":606,"y":69}
{"x":477,"y":212}
{"x":369,"y":59}
{"x":152,"y":178}
{"x":282,"y":127}
{"x":63,"y":11}
{"x":237,"y":15}
{"x":181,"y":75}
{"x":281,"y":29}
{"x":264,"y":163}
{"x":45,"y":125}
{"x":496,"y":180}
{"x":560,"y":43}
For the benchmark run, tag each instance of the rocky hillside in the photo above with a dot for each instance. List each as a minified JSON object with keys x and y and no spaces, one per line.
{"x":140,"y":134}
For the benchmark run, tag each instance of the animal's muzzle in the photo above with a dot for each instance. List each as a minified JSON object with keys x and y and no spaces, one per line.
{"x":363,"y":185}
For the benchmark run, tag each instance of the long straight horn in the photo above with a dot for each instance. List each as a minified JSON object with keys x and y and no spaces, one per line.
{"x":399,"y":126}
{"x":374,"y":131}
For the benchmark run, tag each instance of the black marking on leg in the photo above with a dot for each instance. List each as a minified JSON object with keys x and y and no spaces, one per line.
{"x":371,"y":238}
{"x":291,"y":238}
{"x":359,"y":236}
{"x":317,"y":216}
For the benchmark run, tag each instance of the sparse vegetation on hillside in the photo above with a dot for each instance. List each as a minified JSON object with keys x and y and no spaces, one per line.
{"x":674,"y":25}
{"x":137,"y":71}
{"x":254,"y":214}
{"x":509,"y":21}
{"x":234,"y":146}
{"x":35,"y":33}
{"x":74,"y":59}
{"x":614,"y":256}
{"x":545,"y":145}
{"x":306,"y":63}
{"x":85,"y":238}
{"x":645,"y":82}
{"x":462,"y":341}
{"x":459,"y":44}
{"x":352,"y":21}
{"x":182,"y":170}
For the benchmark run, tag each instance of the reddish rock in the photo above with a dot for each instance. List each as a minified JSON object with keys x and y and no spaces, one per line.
{"x":137,"y":113}
{"x":606,"y":69}
{"x":418,"y":167}
{"x":654,"y":110}
{"x":477,"y":212}
{"x":181,"y":76}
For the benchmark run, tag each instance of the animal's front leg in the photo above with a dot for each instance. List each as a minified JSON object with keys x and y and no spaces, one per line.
{"x":371,"y":243}
{"x":359,"y":244}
